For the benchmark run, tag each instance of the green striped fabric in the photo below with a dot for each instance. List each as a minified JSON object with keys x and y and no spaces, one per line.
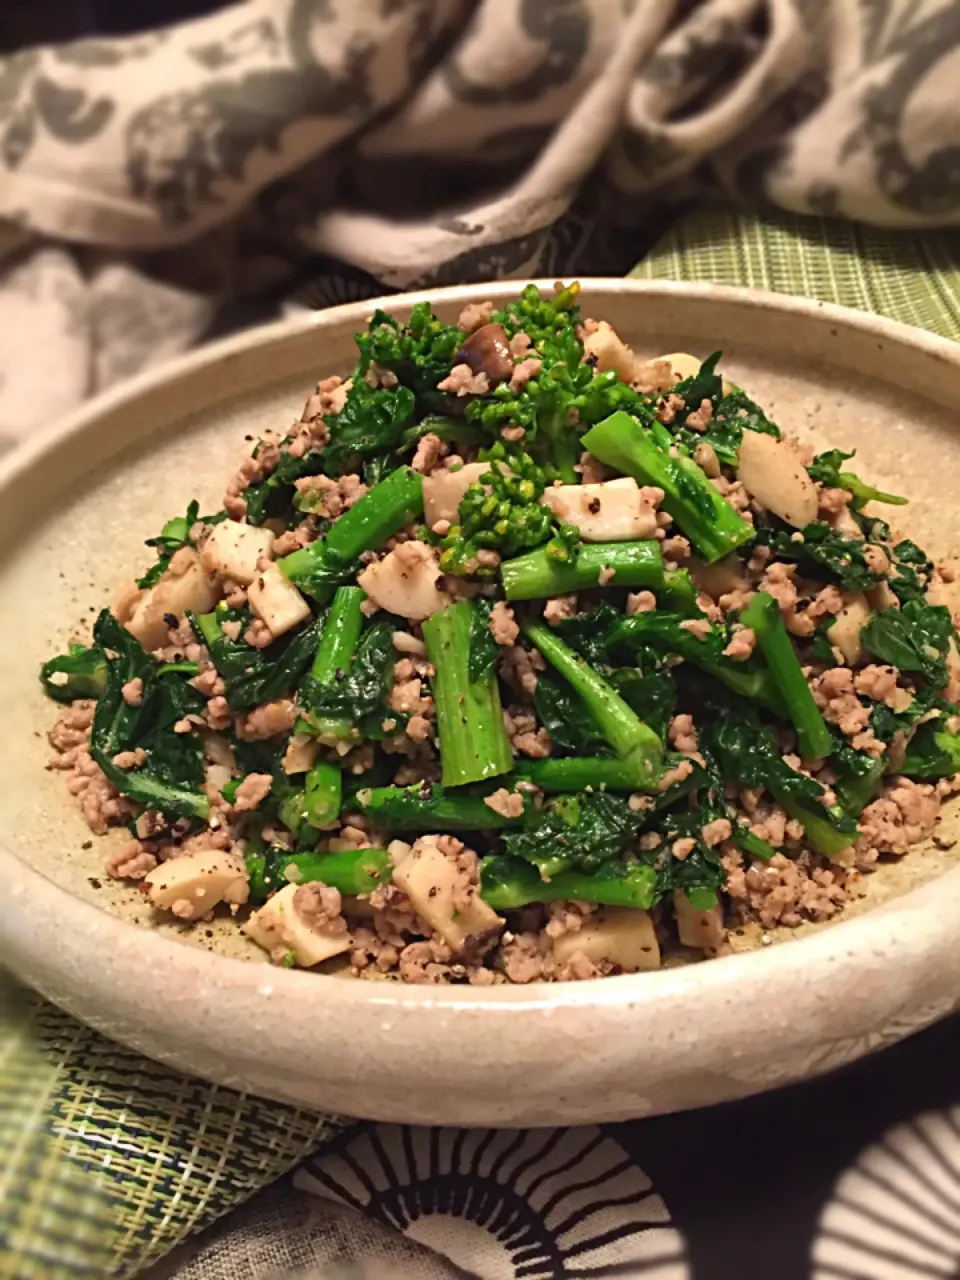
{"x":908,"y":276}
{"x":107,"y":1161}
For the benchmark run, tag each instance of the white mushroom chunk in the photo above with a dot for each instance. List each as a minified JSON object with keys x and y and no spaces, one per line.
{"x":773,"y":473}
{"x":443,"y":491}
{"x":300,"y":754}
{"x":682,"y":364}
{"x":844,"y":632}
{"x":279,"y":927}
{"x":621,"y":936}
{"x":702,"y":929}
{"x":276,"y":601}
{"x":431,"y":881}
{"x":405,"y":582}
{"x":192,"y":884}
{"x":883,"y":597}
{"x":612,"y":511}
{"x":721,"y":578}
{"x":609,"y":351}
{"x":233,"y":550}
{"x":186,"y":584}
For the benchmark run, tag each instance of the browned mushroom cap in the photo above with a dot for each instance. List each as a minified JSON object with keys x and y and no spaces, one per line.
{"x":487,"y":350}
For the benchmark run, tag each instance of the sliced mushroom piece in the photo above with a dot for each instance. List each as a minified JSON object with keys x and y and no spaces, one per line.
{"x":622,"y":936}
{"x":611,"y":511}
{"x":301,"y":752}
{"x":233,"y":550}
{"x":276,"y":601}
{"x":405,"y":582}
{"x":278,"y":926}
{"x":443,"y":491}
{"x":196,"y":882}
{"x":487,"y":350}
{"x":429,"y":879}
{"x":703,"y":929}
{"x":844,"y":631}
{"x":773,"y":473}
{"x":882,"y":597}
{"x":608,"y":351}
{"x":721,"y":578}
{"x":186,"y":585}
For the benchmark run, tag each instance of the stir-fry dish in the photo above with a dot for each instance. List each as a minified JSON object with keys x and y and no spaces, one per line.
{"x":517,"y":658}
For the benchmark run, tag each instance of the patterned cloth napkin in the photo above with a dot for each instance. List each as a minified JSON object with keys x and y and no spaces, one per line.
{"x":107,"y":1161}
{"x":160,"y":187}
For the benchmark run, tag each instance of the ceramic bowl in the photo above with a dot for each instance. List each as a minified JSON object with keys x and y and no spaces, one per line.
{"x":75,"y":507}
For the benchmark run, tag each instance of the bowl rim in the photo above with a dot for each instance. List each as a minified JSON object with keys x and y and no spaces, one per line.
{"x":879,"y":928}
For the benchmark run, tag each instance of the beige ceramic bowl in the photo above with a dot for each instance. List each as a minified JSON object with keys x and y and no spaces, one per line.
{"x":75,"y":507}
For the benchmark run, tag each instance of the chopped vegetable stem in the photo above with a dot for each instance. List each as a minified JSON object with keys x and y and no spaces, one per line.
{"x":539,"y":575}
{"x":473,"y":741}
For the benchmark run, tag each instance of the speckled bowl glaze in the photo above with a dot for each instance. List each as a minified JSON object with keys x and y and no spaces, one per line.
{"x":75,"y":507}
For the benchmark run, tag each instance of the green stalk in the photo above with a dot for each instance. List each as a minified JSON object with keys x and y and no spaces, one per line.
{"x":428,"y":807}
{"x":208,"y":624}
{"x":709,"y":521}
{"x":341,"y":632}
{"x":318,"y":568}
{"x":638,"y":771}
{"x":538,"y":575}
{"x":752,"y":845}
{"x":473,"y":741}
{"x":933,"y":753}
{"x":619,"y":724}
{"x":353,"y":873}
{"x":855,"y":793}
{"x":509,"y":883}
{"x":829,"y":831}
{"x":762,"y":614}
{"x":322,"y":793}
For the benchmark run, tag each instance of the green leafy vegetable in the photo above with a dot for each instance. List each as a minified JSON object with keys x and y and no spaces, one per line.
{"x":484,"y":650}
{"x":914,"y":638}
{"x":825,"y":469}
{"x":174,"y":535}
{"x":170,"y":779}
{"x":253,"y":676}
{"x":823,"y":553}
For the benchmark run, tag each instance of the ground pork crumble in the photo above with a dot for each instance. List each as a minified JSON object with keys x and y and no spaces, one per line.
{"x":428,"y":920}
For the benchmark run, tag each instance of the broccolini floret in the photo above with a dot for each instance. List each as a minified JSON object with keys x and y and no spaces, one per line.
{"x":502,"y":512}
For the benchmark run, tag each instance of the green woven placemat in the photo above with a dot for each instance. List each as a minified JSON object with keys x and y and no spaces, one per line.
{"x":106,"y":1160}
{"x":908,"y":276}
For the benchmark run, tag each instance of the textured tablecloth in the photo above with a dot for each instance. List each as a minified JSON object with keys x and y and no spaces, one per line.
{"x":107,"y":1161}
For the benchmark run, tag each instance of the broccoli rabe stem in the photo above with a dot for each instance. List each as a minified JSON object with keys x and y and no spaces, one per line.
{"x":639,"y":771}
{"x":380,"y":513}
{"x":322,"y":793}
{"x":762,"y":615}
{"x":509,"y":883}
{"x":619,"y":723}
{"x":208,"y":624}
{"x":830,"y":831}
{"x":473,"y":741}
{"x":341,"y":632}
{"x":352,"y":873}
{"x":705,"y":517}
{"x":752,"y":845}
{"x":538,"y":575}
{"x":854,"y":794}
{"x":428,"y":807}
{"x":79,"y":673}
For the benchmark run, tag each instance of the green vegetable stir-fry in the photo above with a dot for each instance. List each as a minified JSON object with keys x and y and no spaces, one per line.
{"x":519,"y":657}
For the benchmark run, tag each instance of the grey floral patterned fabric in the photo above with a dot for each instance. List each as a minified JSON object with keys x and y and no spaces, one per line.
{"x":159,"y":188}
